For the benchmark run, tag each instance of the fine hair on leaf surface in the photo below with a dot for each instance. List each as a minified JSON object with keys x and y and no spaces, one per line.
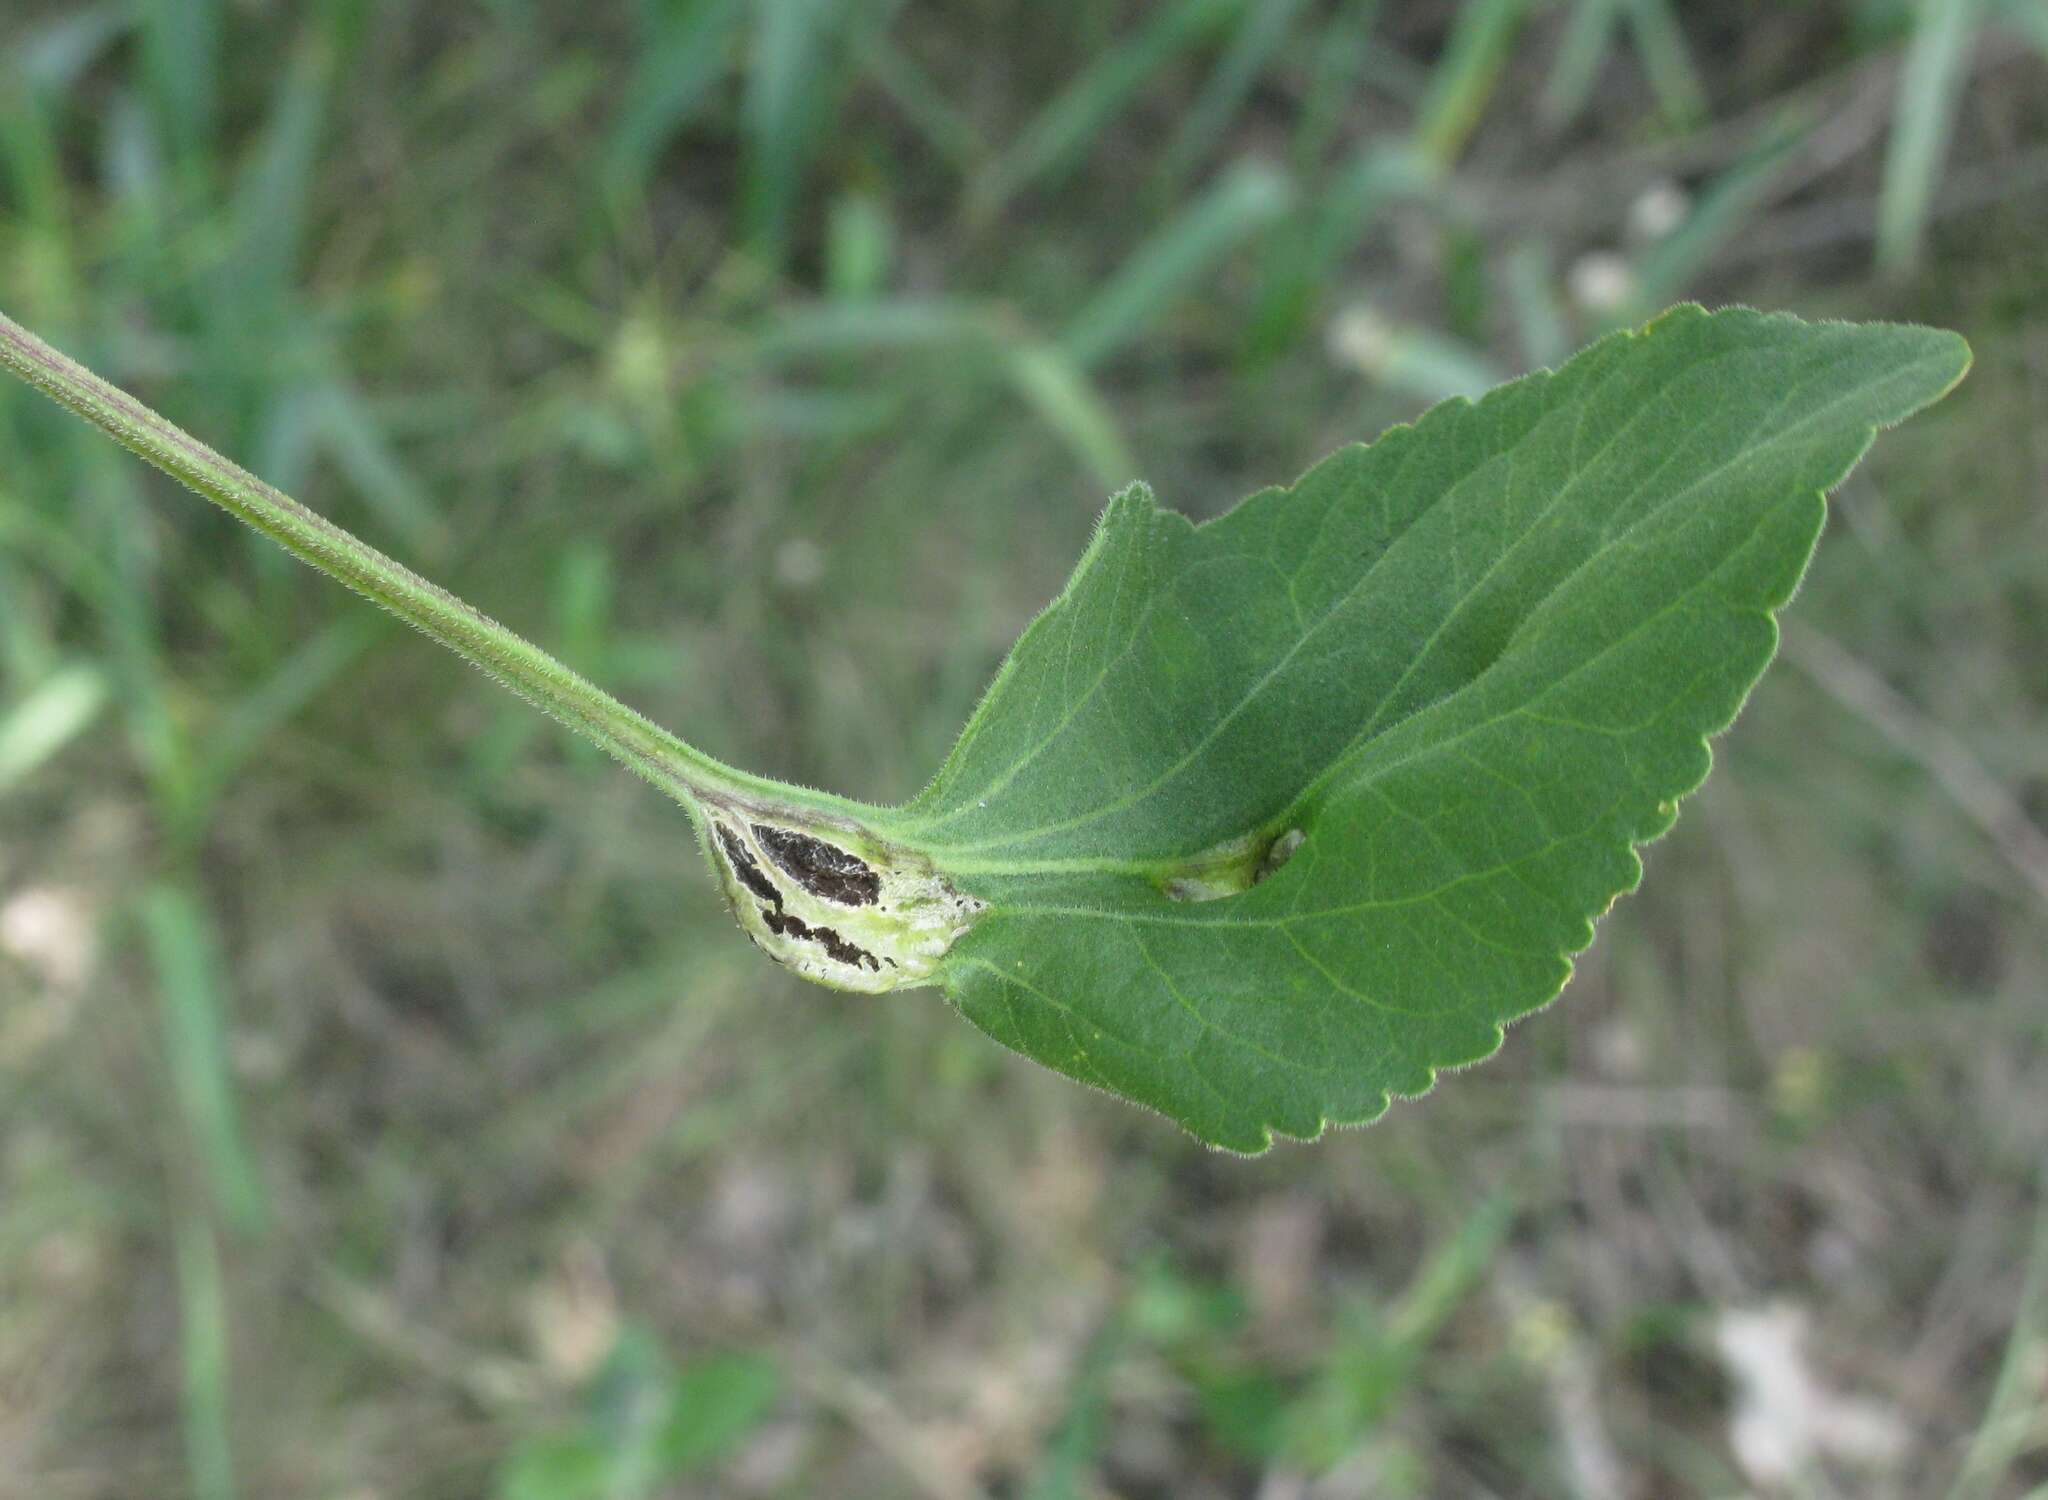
{"x":1264,"y":822}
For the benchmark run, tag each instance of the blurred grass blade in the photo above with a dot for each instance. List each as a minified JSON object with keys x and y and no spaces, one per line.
{"x":1937,"y":58}
{"x":584,"y":589}
{"x":1072,"y":1450}
{"x":288,"y":433}
{"x":1065,"y":128}
{"x":1532,"y":298}
{"x":1045,"y":375}
{"x":192,"y":989}
{"x":810,"y":414}
{"x":645,"y":1424}
{"x":567,"y":1466}
{"x":1332,"y":224}
{"x":860,"y":246}
{"x":714,"y":1405}
{"x":1442,"y":1284}
{"x":685,"y":49}
{"x":30,"y":168}
{"x":1725,"y":207}
{"x":2013,"y":1419}
{"x":1347,"y":207}
{"x":2029,"y":18}
{"x":825,"y":328}
{"x":138,"y":187}
{"x":296,"y":681}
{"x":274,"y":192}
{"x":203,"y":1339}
{"x":26,"y":651}
{"x":789,"y":90}
{"x":354,"y":439}
{"x":1340,"y":53}
{"x":108,"y":504}
{"x":52,"y":54}
{"x":180,"y":47}
{"x":54,"y":713}
{"x":1260,"y":31}
{"x":1062,"y":395}
{"x":1587,"y":36}
{"x":923,"y":102}
{"x":1247,"y":199}
{"x":1410,"y":358}
{"x":1667,"y":62}
{"x":1464,"y":78}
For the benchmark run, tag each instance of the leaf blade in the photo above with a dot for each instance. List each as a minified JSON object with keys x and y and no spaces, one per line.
{"x":1507,"y":633}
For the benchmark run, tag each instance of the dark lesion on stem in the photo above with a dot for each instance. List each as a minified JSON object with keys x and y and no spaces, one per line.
{"x":784,"y":925}
{"x":774,"y":913}
{"x":744,"y":867}
{"x":827,"y":872}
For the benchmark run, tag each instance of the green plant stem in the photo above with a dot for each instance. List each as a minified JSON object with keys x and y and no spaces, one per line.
{"x":679,"y":769}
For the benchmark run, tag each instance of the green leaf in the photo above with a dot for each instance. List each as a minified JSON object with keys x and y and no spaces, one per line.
{"x":645,"y":1424}
{"x":1407,"y":719}
{"x":715,"y":1405}
{"x":47,"y":718}
{"x":185,"y":950}
{"x":575,"y":1467}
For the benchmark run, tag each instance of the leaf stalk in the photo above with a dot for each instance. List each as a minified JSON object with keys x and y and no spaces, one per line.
{"x":684,"y":772}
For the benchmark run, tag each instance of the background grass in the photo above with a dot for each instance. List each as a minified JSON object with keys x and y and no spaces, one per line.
{"x":387,"y":1108}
